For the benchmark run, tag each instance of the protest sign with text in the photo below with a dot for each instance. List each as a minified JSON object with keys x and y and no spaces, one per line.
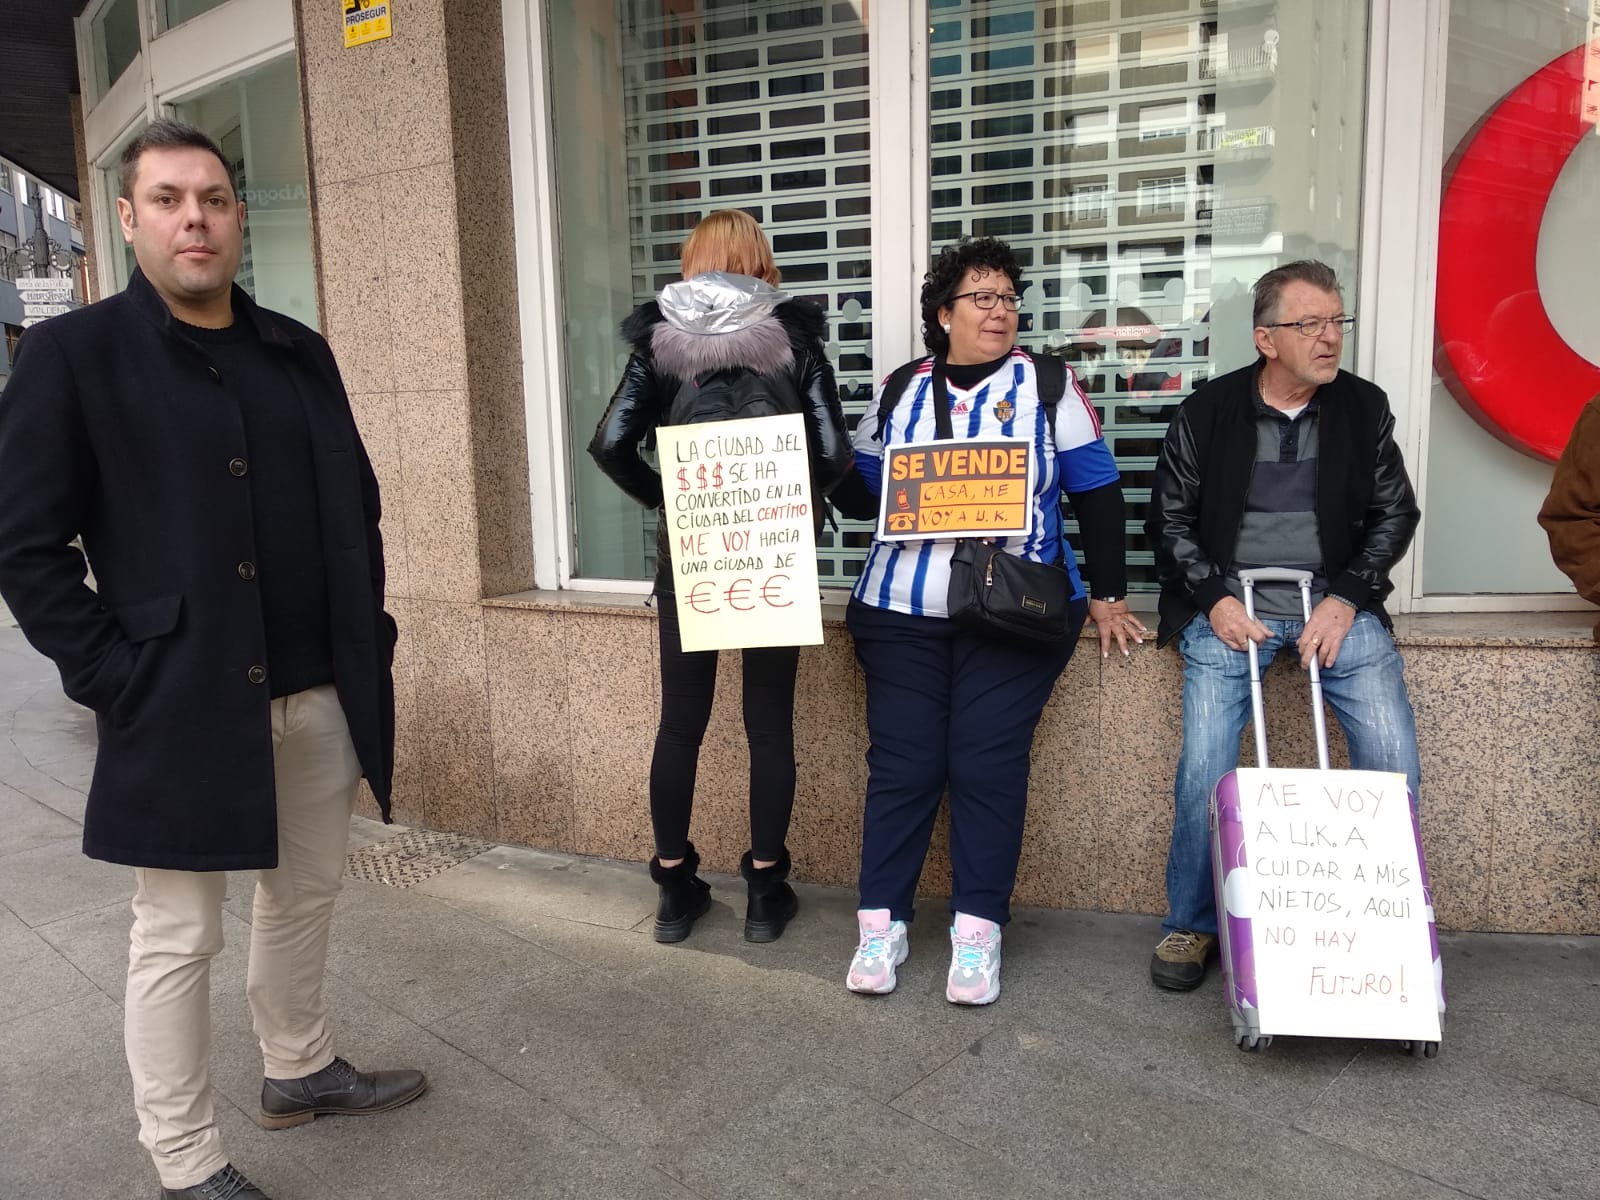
{"x":947,"y":489}
{"x":1324,"y":871}
{"x":739,"y":518}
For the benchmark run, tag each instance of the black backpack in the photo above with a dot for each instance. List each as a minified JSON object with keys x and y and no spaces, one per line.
{"x":732,"y":394}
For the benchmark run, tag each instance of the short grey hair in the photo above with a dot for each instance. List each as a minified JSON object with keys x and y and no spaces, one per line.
{"x":1269,"y":288}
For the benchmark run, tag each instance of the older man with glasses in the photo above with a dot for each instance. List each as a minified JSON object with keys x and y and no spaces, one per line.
{"x":1289,"y":462}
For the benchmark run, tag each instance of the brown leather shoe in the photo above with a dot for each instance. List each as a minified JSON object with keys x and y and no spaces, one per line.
{"x":337,"y":1089}
{"x":226,"y":1184}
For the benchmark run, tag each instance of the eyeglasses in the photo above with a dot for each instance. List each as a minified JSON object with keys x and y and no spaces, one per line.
{"x":1313,"y":326}
{"x":987,"y":300}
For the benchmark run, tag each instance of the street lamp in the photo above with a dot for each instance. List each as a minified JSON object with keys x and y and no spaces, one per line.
{"x":41,"y":251}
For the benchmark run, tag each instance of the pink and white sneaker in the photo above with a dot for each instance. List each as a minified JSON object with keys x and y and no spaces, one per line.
{"x":882,"y":948}
{"x":974,"y":961}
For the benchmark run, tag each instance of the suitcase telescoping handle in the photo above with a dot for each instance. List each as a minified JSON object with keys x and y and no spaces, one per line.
{"x":1303,"y":580}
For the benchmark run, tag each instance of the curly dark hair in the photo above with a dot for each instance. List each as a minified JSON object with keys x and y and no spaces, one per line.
{"x":946,"y":274}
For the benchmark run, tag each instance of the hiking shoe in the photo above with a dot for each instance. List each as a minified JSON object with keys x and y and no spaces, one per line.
{"x":226,"y":1184}
{"x":974,"y":961}
{"x":882,"y":948}
{"x":1179,"y":963}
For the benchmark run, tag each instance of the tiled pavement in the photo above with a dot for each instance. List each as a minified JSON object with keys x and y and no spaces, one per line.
{"x":571,"y":1056}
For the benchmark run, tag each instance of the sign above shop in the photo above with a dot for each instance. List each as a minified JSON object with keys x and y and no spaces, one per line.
{"x":366,"y":21}
{"x":1591,"y":70}
{"x":1498,"y":352}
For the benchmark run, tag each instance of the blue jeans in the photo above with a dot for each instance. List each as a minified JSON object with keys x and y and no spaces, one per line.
{"x":1366,"y":690}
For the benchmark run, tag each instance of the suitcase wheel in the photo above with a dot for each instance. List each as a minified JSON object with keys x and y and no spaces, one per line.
{"x":1420,"y":1049}
{"x":1252,"y":1042}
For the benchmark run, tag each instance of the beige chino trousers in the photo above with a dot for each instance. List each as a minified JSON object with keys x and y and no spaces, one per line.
{"x":177,"y":930}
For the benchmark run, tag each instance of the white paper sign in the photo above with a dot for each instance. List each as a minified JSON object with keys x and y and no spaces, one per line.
{"x":1339,"y":918}
{"x":739,"y":518}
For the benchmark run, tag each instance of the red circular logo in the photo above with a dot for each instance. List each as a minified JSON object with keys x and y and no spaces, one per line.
{"x":1497,"y":351}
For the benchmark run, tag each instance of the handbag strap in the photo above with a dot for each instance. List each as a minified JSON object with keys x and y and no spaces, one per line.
{"x":942,"y":428}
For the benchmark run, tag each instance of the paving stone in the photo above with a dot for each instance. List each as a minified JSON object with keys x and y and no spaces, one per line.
{"x":1069,"y":1109}
{"x":34,"y":977}
{"x":378,"y":939}
{"x":55,"y":880}
{"x":29,"y":824}
{"x":593,"y":891}
{"x":69,"y":1127}
{"x":1464,"y":1125}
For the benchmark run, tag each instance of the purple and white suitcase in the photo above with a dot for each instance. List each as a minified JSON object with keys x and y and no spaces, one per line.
{"x":1246,"y":938}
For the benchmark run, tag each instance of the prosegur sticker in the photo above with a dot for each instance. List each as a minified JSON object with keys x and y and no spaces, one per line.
{"x":366,"y":21}
{"x":945,"y":489}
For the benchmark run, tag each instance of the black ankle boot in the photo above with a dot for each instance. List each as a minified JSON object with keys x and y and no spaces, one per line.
{"x":685,"y":897}
{"x":772,"y":901}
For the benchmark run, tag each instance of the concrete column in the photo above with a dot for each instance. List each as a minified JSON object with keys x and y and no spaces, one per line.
{"x":410,"y":175}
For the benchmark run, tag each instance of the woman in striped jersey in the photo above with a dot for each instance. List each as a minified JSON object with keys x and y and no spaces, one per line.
{"x":949,"y":708}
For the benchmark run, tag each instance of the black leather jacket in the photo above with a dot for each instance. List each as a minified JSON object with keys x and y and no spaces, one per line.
{"x":640,"y":404}
{"x":1366,"y":510}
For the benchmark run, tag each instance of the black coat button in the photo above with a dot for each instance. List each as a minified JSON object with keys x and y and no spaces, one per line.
{"x":215,"y":374}
{"x":237,"y":467}
{"x":247,"y":570}
{"x":257,"y":674}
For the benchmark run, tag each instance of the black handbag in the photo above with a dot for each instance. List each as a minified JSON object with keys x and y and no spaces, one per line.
{"x":1011,"y":598}
{"x":997,"y":594}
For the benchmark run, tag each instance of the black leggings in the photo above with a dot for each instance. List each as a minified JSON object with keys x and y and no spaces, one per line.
{"x":688,"y":683}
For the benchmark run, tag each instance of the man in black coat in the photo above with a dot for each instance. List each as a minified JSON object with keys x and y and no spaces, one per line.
{"x":1290,"y":463}
{"x":234,"y":647}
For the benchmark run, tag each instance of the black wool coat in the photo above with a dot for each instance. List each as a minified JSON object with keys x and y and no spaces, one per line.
{"x":117,"y":428}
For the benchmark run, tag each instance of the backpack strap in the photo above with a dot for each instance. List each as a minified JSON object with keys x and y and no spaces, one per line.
{"x":1050,"y":369}
{"x":1052,"y":375}
{"x":893,"y":388}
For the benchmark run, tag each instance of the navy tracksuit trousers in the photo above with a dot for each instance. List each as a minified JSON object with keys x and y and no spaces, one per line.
{"x":948,"y":709}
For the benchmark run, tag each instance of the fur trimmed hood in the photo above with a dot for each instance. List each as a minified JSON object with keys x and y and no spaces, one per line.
{"x":772,"y":343}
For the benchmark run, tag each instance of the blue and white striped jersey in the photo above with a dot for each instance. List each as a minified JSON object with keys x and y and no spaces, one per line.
{"x":914,"y":577}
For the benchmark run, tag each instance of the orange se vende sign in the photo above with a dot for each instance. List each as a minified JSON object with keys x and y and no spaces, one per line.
{"x":942,"y":489}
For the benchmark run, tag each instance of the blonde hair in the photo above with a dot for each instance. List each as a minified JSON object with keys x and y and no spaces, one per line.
{"x":729,"y":240}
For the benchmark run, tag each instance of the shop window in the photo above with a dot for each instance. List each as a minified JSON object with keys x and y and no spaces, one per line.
{"x":1139,"y":231}
{"x":1481,"y":492}
{"x":114,"y":37}
{"x":663,"y":113}
{"x":176,"y":12}
{"x":255,"y":118}
{"x":120,"y":254}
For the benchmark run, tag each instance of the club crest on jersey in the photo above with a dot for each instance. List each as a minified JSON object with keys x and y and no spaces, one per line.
{"x":1005,"y":410}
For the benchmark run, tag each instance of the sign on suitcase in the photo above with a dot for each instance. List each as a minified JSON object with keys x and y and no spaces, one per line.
{"x":1323,"y":884}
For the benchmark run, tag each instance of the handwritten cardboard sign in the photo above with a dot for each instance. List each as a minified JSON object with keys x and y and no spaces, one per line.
{"x":948,"y":489}
{"x":744,"y":549}
{"x":1339,"y":919}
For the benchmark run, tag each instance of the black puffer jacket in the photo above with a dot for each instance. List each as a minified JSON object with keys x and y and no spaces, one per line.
{"x":790,"y":338}
{"x":1366,"y":510}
